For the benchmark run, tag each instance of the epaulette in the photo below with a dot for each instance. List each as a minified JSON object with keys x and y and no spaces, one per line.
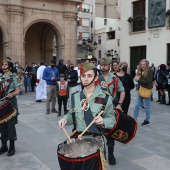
{"x":106,"y":92}
{"x":14,"y":74}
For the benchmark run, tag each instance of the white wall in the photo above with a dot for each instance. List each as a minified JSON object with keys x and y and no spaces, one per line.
{"x":155,"y":39}
{"x":101,"y":30}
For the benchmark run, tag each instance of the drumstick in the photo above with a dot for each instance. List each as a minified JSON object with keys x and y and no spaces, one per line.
{"x":3,"y":98}
{"x":67,"y":135}
{"x":90,"y":125}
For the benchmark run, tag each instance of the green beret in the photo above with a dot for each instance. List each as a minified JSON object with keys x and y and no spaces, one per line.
{"x":104,"y":61}
{"x":84,"y":67}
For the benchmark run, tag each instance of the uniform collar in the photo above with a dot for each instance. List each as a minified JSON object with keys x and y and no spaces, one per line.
{"x":97,"y":92}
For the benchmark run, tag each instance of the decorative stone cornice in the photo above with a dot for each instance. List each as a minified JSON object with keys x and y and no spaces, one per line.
{"x":70,"y":16}
{"x":15,"y":9}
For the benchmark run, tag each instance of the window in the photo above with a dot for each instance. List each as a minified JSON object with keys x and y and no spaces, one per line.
{"x":91,"y":23}
{"x":85,"y":35}
{"x":91,"y":9}
{"x":105,"y":21}
{"x":78,"y":36}
{"x":111,"y":35}
{"x":100,"y":54}
{"x":99,"y":40}
{"x":78,"y":8}
{"x":138,"y":14}
{"x":85,"y":8}
{"x":85,"y":22}
{"x":78,"y":23}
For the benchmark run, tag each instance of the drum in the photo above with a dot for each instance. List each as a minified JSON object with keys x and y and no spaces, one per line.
{"x":82,"y":154}
{"x":124,"y":129}
{"x":6,"y":111}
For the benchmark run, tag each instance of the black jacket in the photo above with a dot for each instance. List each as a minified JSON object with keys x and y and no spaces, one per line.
{"x":73,"y":76}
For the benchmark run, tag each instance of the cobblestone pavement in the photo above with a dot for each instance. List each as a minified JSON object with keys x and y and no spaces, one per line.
{"x":39,"y":136}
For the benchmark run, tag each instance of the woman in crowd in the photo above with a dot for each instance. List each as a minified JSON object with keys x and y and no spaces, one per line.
{"x":27,"y":78}
{"x":145,"y":80}
{"x":160,"y":83}
{"x":115,"y":66}
{"x":71,"y":78}
{"x":7,"y":129}
{"x":128,"y":84}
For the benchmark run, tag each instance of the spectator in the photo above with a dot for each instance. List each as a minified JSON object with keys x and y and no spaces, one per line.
{"x":62,"y":94}
{"x":156,"y":83}
{"x":128,"y":84}
{"x":61,"y":66}
{"x":161,"y":80}
{"x":168,"y":77}
{"x":94,"y":61}
{"x":41,"y":84}
{"x":114,"y":68}
{"x":27,"y":78}
{"x":72,"y":78}
{"x":34,"y":75}
{"x":145,"y":80}
{"x":51,"y":76}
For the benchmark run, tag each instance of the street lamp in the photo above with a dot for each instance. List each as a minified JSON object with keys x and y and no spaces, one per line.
{"x":89,"y":46}
{"x":114,"y":53}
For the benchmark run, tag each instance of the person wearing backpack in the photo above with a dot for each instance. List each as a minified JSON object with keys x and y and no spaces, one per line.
{"x":111,"y":84}
{"x":62,"y":90}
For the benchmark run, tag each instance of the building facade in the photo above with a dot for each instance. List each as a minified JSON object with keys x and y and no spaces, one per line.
{"x":85,"y":25}
{"x":145,"y":32}
{"x":28,"y":29}
{"x":107,"y":28}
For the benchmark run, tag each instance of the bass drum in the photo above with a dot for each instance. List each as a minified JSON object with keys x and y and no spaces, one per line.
{"x":6,"y":111}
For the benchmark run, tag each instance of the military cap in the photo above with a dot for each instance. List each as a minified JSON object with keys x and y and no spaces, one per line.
{"x":7,"y":59}
{"x":104,"y":61}
{"x":84,"y":67}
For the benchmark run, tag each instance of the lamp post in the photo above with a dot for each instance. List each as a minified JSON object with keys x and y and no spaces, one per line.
{"x":114,"y":53}
{"x":89,"y":46}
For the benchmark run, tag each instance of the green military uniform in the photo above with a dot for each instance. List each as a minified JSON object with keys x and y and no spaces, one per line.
{"x":111,"y":87}
{"x":108,"y":117}
{"x":8,"y":131}
{"x":110,"y":141}
{"x":94,"y":105}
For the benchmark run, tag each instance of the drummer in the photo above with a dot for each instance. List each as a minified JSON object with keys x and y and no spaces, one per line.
{"x":111,"y":83}
{"x":92,"y":98}
{"x":7,"y":129}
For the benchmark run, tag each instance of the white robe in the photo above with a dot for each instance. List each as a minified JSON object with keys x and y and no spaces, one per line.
{"x":41,"y":86}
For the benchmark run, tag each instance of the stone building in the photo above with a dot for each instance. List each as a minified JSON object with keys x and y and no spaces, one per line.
{"x":34,"y":30}
{"x":145,"y":32}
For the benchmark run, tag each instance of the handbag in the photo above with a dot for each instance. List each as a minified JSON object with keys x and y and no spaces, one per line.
{"x":144,"y":92}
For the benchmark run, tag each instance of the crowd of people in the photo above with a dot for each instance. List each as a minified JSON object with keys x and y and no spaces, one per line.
{"x":81,"y":87}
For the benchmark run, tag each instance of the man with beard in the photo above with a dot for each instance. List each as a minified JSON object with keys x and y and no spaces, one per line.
{"x":51,"y":76}
{"x":111,"y":83}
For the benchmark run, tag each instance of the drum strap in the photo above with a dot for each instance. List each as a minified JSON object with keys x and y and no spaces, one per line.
{"x":115,"y":81}
{"x":73,"y":112}
{"x":88,"y":113}
{"x":88,"y":116}
{"x":11,"y":79}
